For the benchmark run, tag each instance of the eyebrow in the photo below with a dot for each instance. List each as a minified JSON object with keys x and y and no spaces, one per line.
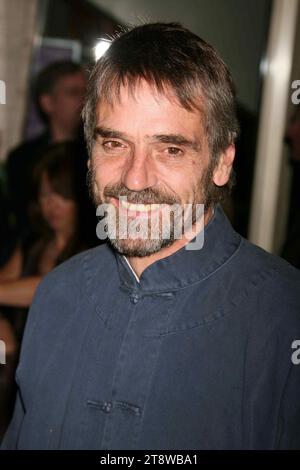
{"x":106,"y":132}
{"x":175,"y":139}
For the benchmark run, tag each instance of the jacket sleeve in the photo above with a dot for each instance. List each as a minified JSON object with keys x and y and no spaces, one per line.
{"x":288,"y":436}
{"x":10,"y":439}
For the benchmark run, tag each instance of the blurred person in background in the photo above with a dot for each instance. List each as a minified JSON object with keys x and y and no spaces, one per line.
{"x":59,"y":91}
{"x":291,"y":248}
{"x":59,"y":213}
{"x":8,"y":236}
{"x":7,"y":387}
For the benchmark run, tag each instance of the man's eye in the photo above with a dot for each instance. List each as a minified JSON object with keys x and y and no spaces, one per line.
{"x":112,"y":144}
{"x":174,"y":151}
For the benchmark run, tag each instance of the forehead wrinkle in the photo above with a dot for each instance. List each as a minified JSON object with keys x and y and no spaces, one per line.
{"x":113,"y":94}
{"x":131,"y":90}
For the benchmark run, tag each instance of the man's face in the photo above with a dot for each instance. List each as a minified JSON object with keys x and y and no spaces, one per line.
{"x":64,"y":104}
{"x":150,"y":150}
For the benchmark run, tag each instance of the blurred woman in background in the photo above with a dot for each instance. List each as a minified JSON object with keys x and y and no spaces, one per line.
{"x":62,"y":217}
{"x":59,"y":213}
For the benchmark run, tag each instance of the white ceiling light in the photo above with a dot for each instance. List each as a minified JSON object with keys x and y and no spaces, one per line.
{"x":101,"y":47}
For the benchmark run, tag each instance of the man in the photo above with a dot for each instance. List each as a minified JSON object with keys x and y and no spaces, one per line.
{"x":59,"y":94}
{"x":291,"y":247}
{"x":160,"y":342}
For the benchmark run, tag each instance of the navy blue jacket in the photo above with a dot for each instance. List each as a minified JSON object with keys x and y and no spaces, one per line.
{"x":197,"y":355}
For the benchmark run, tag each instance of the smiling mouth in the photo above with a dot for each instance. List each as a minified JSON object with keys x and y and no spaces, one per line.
{"x":136,"y":207}
{"x":130,"y":207}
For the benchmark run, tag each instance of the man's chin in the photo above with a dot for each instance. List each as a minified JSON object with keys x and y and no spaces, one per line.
{"x":139,"y":248}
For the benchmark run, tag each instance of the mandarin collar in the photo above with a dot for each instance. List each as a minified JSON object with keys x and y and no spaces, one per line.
{"x":186,"y":267}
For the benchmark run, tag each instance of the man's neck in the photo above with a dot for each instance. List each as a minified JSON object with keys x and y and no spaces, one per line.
{"x":138,"y":265}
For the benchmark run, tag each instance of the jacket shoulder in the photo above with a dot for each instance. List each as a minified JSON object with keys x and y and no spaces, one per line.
{"x":257,"y":258}
{"x":66,"y":287}
{"x":277,"y":285}
{"x":76,"y":271}
{"x":63,"y":301}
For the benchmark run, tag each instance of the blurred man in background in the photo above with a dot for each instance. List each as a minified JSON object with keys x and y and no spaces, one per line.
{"x":59,"y":93}
{"x":291,"y":248}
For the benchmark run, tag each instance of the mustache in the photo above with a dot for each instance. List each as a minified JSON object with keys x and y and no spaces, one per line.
{"x":145,"y":196}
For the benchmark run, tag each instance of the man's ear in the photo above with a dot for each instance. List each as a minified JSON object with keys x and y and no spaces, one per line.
{"x":89,"y":163}
{"x":45,"y":101}
{"x":223,"y":169}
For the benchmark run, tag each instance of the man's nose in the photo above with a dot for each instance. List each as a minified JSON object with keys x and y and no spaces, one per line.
{"x":139,"y":172}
